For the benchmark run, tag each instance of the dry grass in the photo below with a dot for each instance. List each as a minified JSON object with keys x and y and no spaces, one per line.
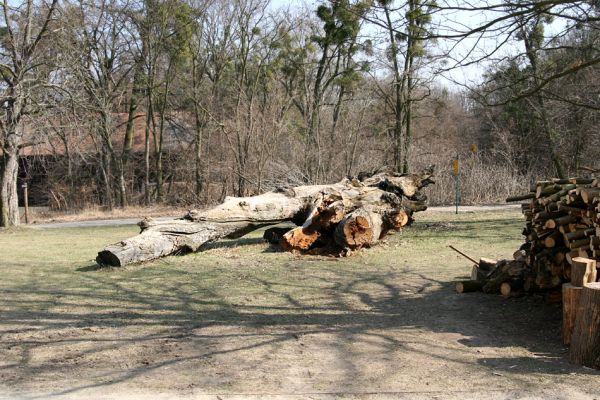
{"x":97,"y":212}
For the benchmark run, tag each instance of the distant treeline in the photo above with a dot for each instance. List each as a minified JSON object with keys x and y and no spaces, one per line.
{"x":119,"y":103}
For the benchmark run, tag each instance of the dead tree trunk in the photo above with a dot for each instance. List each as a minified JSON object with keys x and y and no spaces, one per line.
{"x":351,"y":213}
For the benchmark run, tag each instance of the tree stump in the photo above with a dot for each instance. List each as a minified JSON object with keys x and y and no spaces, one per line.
{"x":585,"y":340}
{"x":570,"y":298}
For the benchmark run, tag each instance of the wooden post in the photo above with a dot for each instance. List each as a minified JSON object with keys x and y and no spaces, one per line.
{"x":570,"y":298}
{"x":26,"y":201}
{"x":585,"y":341}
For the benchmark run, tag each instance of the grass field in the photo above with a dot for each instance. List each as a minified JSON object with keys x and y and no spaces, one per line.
{"x":241,"y":319}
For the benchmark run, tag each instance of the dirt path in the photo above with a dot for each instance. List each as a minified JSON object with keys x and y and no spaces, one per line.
{"x":91,"y":223}
{"x":133,"y":221}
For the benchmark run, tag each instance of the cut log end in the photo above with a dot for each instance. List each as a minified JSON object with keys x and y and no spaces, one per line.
{"x":299,"y":239}
{"x":468,"y":286}
{"x":108,"y":258}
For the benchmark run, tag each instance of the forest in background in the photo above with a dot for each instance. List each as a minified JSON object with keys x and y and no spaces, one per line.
{"x":117,"y":102}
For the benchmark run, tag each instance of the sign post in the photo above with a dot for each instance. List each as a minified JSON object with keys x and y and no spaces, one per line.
{"x":26,"y":201}
{"x":456,"y":182}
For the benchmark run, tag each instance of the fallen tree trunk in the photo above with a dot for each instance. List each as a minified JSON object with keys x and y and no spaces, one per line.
{"x":352,"y":213}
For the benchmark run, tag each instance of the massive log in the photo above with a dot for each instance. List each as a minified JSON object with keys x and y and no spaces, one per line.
{"x":372,"y":205}
{"x":585,"y":339}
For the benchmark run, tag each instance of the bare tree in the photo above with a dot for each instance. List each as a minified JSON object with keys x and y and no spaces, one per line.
{"x":25,"y":72}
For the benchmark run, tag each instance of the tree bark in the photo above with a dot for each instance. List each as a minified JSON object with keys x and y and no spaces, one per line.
{"x":570,"y":298}
{"x":585,"y":341}
{"x":9,"y":198}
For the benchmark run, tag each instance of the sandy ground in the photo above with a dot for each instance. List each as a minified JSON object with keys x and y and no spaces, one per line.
{"x":415,"y":340}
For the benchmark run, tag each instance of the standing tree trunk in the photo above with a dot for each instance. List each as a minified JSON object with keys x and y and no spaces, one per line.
{"x":20,"y":64}
{"x":398,"y":117}
{"x":129,"y":135}
{"x":198,"y":154}
{"x":149,"y":121}
{"x":9,"y":199}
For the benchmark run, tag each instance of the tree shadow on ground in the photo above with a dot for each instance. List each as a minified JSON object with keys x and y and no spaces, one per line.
{"x":113,"y":331}
{"x":365,"y":307}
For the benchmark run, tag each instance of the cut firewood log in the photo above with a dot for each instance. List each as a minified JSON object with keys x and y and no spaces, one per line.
{"x":520,"y":198}
{"x":478,"y":274}
{"x":579,"y":234}
{"x":553,"y":223}
{"x":520,"y":255}
{"x":511,"y":289}
{"x":575,"y":244}
{"x":583,"y":271}
{"x":545,"y":191}
{"x":590,"y":195}
{"x":487,"y":264}
{"x":585,"y":340}
{"x":553,"y":240}
{"x":468,"y":286}
{"x":505,"y":271}
{"x":579,"y":252}
{"x":570,"y":298}
{"x":529,"y":285}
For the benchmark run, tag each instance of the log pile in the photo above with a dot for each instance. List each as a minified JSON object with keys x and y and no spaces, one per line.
{"x":559,"y":257}
{"x":504,"y":277}
{"x":562,"y":224}
{"x":353,"y":213}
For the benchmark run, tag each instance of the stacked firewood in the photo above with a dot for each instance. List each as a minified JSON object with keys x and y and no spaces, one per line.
{"x":506,"y":277}
{"x":562,"y":224}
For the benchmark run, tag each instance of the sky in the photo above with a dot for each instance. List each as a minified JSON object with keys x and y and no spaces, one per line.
{"x":469,"y":49}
